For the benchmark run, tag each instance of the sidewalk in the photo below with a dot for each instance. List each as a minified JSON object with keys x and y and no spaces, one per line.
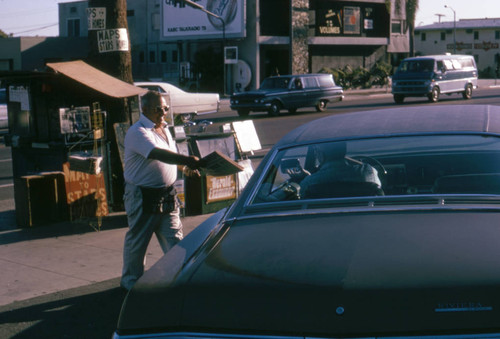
{"x":57,"y":257}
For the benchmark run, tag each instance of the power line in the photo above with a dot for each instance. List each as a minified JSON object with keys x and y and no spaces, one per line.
{"x":36,"y":29}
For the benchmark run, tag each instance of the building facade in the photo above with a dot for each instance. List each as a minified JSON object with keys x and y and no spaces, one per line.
{"x":248,"y":40}
{"x":477,"y":37}
{"x":183,"y":45}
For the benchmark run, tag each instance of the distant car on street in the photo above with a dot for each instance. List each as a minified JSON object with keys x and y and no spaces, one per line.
{"x":375,"y":224}
{"x":4,"y":118}
{"x":289,"y":92}
{"x":434,"y":75}
{"x":184,"y":104}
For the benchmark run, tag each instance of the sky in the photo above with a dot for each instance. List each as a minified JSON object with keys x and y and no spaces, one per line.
{"x":40,"y":17}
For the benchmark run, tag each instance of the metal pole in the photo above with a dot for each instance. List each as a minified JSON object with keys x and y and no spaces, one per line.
{"x":454,"y":29}
{"x":223,"y":52}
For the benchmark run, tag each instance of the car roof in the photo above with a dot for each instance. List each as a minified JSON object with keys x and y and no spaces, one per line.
{"x":438,"y":57}
{"x":403,"y":120}
{"x":300,"y":75}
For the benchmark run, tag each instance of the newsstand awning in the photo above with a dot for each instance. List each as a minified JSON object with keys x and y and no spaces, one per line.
{"x":91,"y":77}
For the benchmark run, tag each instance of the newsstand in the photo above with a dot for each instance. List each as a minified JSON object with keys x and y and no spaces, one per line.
{"x":65,"y":156}
{"x":210,"y":193}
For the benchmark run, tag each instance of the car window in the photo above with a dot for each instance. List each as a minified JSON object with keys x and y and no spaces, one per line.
{"x":411,"y":66}
{"x":297,"y":83}
{"x":448,"y":64}
{"x":467,"y":63}
{"x":326,"y":81}
{"x":275,"y":83}
{"x":456,"y":64}
{"x":384,"y":167}
{"x":310,"y":82}
{"x":153,"y":88}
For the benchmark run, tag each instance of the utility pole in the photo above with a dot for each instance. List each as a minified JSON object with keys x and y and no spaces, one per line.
{"x":109,"y":41}
{"x":109,"y":51}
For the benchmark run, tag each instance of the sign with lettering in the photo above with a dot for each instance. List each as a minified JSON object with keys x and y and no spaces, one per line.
{"x":221,"y":188}
{"x":85,"y":193}
{"x":112,"y":40}
{"x":485,"y":45}
{"x":96,"y":18}
{"x":331,"y":23}
{"x":180,"y":21}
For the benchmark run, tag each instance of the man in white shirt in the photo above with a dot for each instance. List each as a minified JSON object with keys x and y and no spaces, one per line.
{"x":150,"y":170}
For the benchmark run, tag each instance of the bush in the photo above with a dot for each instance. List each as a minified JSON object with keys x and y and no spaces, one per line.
{"x":360,"y":77}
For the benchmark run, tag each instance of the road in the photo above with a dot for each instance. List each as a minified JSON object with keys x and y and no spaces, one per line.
{"x":92,"y":311}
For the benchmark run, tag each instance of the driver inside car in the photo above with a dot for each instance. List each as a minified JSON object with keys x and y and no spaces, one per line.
{"x":339,"y":176}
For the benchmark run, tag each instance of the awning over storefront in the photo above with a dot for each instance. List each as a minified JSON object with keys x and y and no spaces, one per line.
{"x":91,"y":77}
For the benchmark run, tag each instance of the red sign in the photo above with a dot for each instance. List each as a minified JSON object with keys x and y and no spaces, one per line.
{"x":85,"y":193}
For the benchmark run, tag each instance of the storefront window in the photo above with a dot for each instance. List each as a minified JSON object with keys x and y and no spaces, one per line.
{"x":342,"y":19}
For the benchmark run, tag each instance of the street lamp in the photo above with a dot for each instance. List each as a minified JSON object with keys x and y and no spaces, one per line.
{"x":203,"y":9}
{"x":454,"y":29}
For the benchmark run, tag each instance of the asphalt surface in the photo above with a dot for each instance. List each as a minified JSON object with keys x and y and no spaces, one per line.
{"x":62,"y":280}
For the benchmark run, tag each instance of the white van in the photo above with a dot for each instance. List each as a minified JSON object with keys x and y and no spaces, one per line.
{"x":434,"y":75}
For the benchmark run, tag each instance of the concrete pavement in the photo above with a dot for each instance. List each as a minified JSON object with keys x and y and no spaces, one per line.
{"x":47,"y":259}
{"x":51,"y":258}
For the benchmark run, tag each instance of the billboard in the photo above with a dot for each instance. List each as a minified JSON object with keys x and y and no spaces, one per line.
{"x":180,"y":21}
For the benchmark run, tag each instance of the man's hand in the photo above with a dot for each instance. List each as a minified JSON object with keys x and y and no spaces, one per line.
{"x":190,"y":172}
{"x":193,"y":162}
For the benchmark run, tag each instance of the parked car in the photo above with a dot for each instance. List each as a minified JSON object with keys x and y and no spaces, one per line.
{"x":289,"y":92}
{"x":400,"y":240}
{"x":184,"y":104}
{"x":4,"y":119}
{"x":434,"y":75}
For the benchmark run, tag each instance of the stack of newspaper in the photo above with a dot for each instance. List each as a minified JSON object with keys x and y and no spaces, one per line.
{"x":218,"y":164}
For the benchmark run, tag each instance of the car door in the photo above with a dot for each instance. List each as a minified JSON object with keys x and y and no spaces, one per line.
{"x":296,"y":94}
{"x":446,"y":84}
{"x":312,"y":91}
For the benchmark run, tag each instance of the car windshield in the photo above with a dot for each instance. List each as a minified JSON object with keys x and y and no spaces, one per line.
{"x":395,"y":166}
{"x":418,"y":66}
{"x":275,"y":83}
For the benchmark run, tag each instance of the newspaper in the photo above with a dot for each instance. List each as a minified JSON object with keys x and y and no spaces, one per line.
{"x":218,"y":164}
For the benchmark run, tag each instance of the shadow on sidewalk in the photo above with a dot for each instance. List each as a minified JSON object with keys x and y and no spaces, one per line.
{"x":85,"y":312}
{"x":12,"y":235}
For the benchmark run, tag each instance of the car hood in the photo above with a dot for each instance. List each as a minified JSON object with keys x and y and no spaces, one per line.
{"x":260,"y":92}
{"x":340,"y":274}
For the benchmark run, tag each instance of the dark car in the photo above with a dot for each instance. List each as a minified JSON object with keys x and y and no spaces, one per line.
{"x":401,"y":239}
{"x":289,"y":92}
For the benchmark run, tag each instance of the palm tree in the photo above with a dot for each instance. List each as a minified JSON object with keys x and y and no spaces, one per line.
{"x":411,"y":12}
